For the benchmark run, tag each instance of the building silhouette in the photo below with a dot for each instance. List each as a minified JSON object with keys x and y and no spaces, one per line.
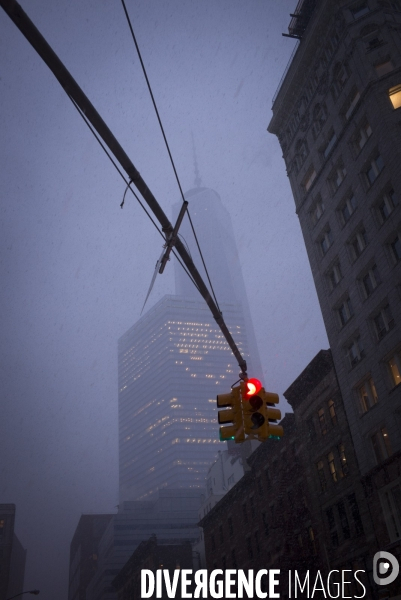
{"x":84,"y":553}
{"x":12,"y":555}
{"x":337,"y":121}
{"x":174,"y":361}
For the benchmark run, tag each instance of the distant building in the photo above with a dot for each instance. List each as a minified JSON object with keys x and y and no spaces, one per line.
{"x":152,"y":556}
{"x":12,"y":555}
{"x":223,"y":474}
{"x":84,"y":552}
{"x":171,"y":515}
{"x":175,"y":360}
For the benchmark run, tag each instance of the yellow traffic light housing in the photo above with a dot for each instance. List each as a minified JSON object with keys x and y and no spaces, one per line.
{"x":232,"y":414}
{"x":259,"y":415}
{"x":272,"y":414}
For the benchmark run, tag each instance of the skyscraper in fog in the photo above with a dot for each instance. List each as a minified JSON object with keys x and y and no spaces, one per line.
{"x":174,"y":361}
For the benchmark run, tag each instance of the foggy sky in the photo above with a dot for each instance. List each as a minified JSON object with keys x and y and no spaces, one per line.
{"x":75,"y":268}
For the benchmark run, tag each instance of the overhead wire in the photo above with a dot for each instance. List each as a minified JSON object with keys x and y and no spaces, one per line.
{"x":128,"y":183}
{"x":167,"y":145}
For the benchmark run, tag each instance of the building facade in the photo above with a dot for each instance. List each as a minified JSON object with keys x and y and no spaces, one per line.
{"x":337,"y":117}
{"x":302,"y":505}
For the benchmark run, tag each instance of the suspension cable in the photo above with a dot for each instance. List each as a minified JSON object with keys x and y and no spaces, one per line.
{"x":166,"y":142}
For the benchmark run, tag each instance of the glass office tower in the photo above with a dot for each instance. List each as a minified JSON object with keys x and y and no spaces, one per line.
{"x":174,"y":361}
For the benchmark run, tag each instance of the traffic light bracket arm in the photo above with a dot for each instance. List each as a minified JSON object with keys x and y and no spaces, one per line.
{"x":82,"y":102}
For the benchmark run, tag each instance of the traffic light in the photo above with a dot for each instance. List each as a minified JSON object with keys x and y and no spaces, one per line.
{"x":259,"y":415}
{"x":232,"y":414}
{"x":272,"y":414}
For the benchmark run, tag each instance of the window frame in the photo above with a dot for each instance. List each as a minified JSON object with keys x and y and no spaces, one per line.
{"x":367,"y":395}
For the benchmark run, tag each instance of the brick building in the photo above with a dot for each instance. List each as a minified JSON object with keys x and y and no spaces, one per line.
{"x":302,"y":505}
{"x":336,"y":493}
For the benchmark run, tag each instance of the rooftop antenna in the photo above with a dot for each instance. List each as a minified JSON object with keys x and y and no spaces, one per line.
{"x":198,"y":181}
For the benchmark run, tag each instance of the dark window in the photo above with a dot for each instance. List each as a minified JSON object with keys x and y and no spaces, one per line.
{"x":311,"y":428}
{"x":260,"y":487}
{"x":344,"y":520}
{"x":363,"y":134}
{"x":317,"y":211}
{"x":325,"y":241}
{"x":312,"y":541}
{"x":358,"y":244}
{"x":322,"y":421}
{"x":330,"y":144}
{"x":345,"y":312}
{"x":395,"y":248}
{"x":322,"y":476}
{"x":257,"y":542}
{"x":348,"y":209}
{"x":332,"y":412}
{"x":233,"y":559}
{"x":383,"y":322}
{"x":221,"y":534}
{"x":370,"y":281}
{"x":381,"y":444}
{"x":351,"y":103}
{"x":267,"y":477}
{"x":245,"y":513}
{"x":359,"y":10}
{"x":355,"y":351}
{"x":356,"y":516}
{"x":374,"y":169}
{"x":343,"y":460}
{"x":367,"y":395}
{"x":332,"y":527}
{"x":249,"y":547}
{"x":337,"y":176}
{"x":265,"y":523}
{"x":386,"y":205}
{"x":213,"y":542}
{"x":252,"y":504}
{"x":230,"y":526}
{"x":334,"y":276}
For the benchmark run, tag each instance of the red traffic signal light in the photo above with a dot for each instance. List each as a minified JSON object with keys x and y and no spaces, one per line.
{"x":252,"y":387}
